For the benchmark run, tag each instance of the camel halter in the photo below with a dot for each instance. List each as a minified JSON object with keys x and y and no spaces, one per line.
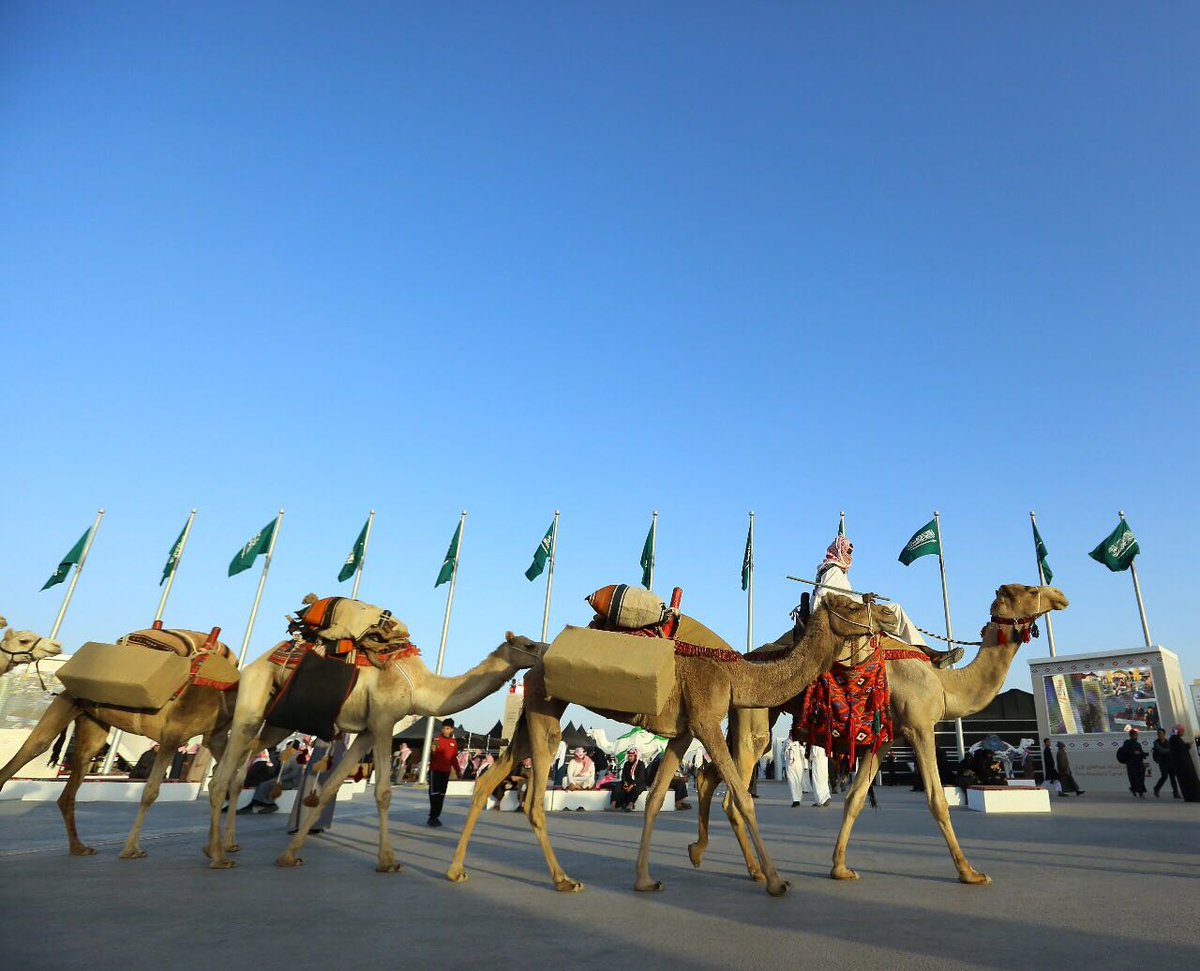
{"x":29,"y":659}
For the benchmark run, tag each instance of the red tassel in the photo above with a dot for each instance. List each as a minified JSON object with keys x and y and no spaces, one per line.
{"x":1000,"y":636}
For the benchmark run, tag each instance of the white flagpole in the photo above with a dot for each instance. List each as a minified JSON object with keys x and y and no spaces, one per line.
{"x":62,"y":611}
{"x":750,"y":591}
{"x":1137,"y":592}
{"x":262,"y":582}
{"x":1042,"y":582}
{"x":362,"y":559}
{"x":550,"y":578}
{"x":958,"y":727}
{"x":115,"y":740}
{"x":653,"y":545}
{"x":424,"y":770}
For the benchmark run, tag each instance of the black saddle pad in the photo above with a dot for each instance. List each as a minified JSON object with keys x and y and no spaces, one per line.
{"x":312,"y":697}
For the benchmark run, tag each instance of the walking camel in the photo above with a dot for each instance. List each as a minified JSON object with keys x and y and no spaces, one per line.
{"x":19,"y":647}
{"x":197,"y":710}
{"x":705,"y":690}
{"x":379,"y":699}
{"x":921,"y":696}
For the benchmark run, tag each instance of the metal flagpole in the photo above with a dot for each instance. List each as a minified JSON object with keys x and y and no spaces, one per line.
{"x":262,"y":582}
{"x":1137,"y":592}
{"x":653,"y":545}
{"x":115,"y":741}
{"x":424,"y":771}
{"x":750,"y":591}
{"x":1042,"y":582}
{"x":62,"y":611}
{"x":362,"y":559}
{"x":958,"y":728}
{"x":842,"y":523}
{"x":550,"y":578}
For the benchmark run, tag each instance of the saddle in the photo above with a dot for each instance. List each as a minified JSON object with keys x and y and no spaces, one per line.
{"x":343,"y":626}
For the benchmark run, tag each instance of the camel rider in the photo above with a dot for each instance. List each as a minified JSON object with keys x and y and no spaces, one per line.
{"x":834,"y":575}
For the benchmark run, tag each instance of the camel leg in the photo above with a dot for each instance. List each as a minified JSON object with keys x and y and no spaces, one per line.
{"x":382,"y":732}
{"x":707,"y":780}
{"x":226,"y":783}
{"x":60,"y":713}
{"x":544,"y":735}
{"x":654,"y":800}
{"x":713,"y":740}
{"x":89,"y":739}
{"x":923,"y":748}
{"x":868,"y":764}
{"x":485,"y":785}
{"x":162,"y":761}
{"x":329,"y":790}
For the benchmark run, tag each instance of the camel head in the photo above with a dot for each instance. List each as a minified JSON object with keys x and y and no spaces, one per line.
{"x":849,"y":618}
{"x":521,"y":652}
{"x":1015,"y":600}
{"x":25,"y":647}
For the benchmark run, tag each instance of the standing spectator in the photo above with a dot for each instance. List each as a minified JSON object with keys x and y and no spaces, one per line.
{"x":818,"y":767}
{"x":443,"y":761}
{"x":1065,"y":777}
{"x":795,"y":767}
{"x":1048,"y":768}
{"x":1185,"y":769}
{"x":1160,"y":751}
{"x":1133,"y":756}
{"x":322,"y":760}
{"x":632,"y":784}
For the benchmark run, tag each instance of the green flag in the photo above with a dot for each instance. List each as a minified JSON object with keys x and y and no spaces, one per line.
{"x":356,"y":555}
{"x":260,"y":542}
{"x":173,"y":556}
{"x":841,"y":526}
{"x":1040,"y":547}
{"x":68,"y":561}
{"x":541,"y":555}
{"x":924,"y":541}
{"x":448,"y":564}
{"x":1117,"y":550}
{"x":648,"y":557}
{"x":747,"y":559}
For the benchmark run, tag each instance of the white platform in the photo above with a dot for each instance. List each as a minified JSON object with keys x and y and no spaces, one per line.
{"x":954,"y":796}
{"x":1007,"y":799}
{"x":560,"y":800}
{"x":125,"y":790}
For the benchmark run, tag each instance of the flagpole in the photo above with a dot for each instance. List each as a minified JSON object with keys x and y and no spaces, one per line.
{"x":162,"y":601}
{"x":1137,"y":592}
{"x":423,"y":773}
{"x":62,"y":611}
{"x":958,"y":727}
{"x":653,"y":545}
{"x":1042,"y":582}
{"x":362,"y":559}
{"x":550,"y":578}
{"x":262,"y":582}
{"x":750,"y":591}
{"x":842,"y":523}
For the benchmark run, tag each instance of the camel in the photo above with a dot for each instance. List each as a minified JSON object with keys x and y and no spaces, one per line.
{"x":921,"y":696}
{"x":705,"y":691}
{"x":24,"y":647}
{"x":380,"y":698}
{"x":197,"y":710}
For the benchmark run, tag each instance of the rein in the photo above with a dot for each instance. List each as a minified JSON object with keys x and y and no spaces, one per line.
{"x":29,"y":659}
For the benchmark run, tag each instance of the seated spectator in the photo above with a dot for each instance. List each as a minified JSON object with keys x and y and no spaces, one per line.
{"x":518,"y":780}
{"x":581,"y":772}
{"x":290,"y":771}
{"x":141,"y":768}
{"x":263,"y":769}
{"x":632,"y":784}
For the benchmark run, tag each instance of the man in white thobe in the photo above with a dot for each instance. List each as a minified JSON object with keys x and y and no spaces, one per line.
{"x":796,"y":766}
{"x":818,"y":765}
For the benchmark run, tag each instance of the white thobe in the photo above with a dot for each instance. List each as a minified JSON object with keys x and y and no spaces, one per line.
{"x":835,"y":579}
{"x":818,"y":765}
{"x":796,"y":766}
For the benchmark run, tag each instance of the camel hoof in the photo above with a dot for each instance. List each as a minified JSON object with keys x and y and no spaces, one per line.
{"x":82,"y":850}
{"x":389,"y":868}
{"x":131,"y":854}
{"x":456,"y":876}
{"x":780,"y":888}
{"x":975,"y":878}
{"x":757,"y":876}
{"x":287,"y":860}
{"x":568,"y":886}
{"x":650,"y":886}
{"x":696,"y":854}
{"x":843,"y":873}
{"x":233,"y":848}
{"x":222,"y":864}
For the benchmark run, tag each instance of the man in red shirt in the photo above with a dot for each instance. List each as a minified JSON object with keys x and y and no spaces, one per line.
{"x":443,"y":760}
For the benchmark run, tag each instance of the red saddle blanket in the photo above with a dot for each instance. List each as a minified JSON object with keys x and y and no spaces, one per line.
{"x":849,"y":707}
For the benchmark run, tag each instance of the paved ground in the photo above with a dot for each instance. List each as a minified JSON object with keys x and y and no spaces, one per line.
{"x":1103,"y":879}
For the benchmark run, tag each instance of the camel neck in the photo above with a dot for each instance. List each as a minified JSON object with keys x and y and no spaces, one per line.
{"x":973,"y":687}
{"x":438,"y":695}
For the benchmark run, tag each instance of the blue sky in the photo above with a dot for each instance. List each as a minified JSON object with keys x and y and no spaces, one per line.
{"x":512,"y":258}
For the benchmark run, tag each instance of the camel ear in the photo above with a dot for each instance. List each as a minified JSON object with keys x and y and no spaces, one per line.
{"x":8,"y":634}
{"x":510,"y":636}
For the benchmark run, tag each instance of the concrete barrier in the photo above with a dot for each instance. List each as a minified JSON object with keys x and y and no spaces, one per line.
{"x":1007,"y":799}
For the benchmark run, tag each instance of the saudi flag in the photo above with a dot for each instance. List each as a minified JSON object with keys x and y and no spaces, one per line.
{"x":173,"y":556}
{"x":648,"y":557}
{"x":748,"y":559}
{"x":356,"y":555}
{"x":541,"y":555}
{"x":924,"y":541}
{"x":260,"y":542}
{"x":68,"y":561}
{"x":448,"y":564}
{"x":841,"y":526}
{"x":1118,"y":549}
{"x":1040,"y":547}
